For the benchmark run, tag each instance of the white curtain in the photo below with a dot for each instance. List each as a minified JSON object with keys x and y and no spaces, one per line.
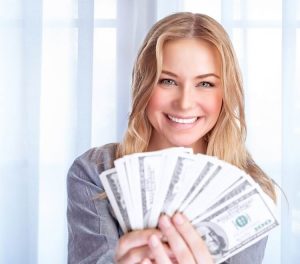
{"x":65,"y":71}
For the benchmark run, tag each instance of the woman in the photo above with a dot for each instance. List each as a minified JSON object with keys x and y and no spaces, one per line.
{"x":187,"y":91}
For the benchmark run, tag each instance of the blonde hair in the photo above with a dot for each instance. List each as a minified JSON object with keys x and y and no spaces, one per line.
{"x":227,"y":138}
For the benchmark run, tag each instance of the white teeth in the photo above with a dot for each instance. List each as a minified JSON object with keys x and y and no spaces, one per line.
{"x":183,"y":120}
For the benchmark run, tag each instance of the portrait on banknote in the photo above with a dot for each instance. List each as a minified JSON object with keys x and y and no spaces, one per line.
{"x":214,"y":237}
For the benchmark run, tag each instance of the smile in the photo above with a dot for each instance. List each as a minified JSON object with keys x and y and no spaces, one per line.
{"x":189,"y":120}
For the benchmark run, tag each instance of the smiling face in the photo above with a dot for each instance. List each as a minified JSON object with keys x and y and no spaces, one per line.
{"x":186,"y":101}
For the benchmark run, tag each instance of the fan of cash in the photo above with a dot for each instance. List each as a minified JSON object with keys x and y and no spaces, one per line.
{"x":223,"y":203}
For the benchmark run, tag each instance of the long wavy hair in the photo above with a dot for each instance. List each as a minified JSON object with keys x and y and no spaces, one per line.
{"x":226,"y":139}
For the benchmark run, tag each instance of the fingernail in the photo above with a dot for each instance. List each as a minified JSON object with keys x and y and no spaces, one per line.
{"x":153,"y":241}
{"x":178,"y":219}
{"x":164,"y":222}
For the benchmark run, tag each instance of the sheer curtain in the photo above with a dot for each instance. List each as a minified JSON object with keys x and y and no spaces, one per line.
{"x":65,"y":73}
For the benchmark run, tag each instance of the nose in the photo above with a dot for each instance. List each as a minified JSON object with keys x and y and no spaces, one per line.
{"x":186,"y":98}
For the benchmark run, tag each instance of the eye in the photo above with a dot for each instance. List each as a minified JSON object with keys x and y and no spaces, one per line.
{"x":206,"y":84}
{"x":167,"y":82}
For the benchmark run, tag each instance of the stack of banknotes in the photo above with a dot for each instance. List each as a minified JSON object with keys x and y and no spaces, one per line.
{"x":229,"y":209}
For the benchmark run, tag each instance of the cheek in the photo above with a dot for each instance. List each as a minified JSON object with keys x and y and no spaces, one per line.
{"x":213,"y":104}
{"x":152,"y":107}
{"x":155,"y":103}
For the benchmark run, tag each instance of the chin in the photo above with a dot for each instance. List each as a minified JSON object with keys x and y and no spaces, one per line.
{"x":196,"y":143}
{"x":184,"y":143}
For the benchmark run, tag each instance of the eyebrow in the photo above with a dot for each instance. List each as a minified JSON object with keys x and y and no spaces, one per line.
{"x":197,"y":77}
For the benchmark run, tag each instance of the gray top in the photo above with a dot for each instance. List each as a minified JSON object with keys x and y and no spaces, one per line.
{"x":93,"y":230}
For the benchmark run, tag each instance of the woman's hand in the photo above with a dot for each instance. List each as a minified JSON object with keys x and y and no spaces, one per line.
{"x":133,"y":247}
{"x":184,"y":241}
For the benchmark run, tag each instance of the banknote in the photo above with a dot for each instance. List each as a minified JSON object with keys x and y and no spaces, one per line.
{"x":125,"y":182}
{"x":195,"y":177}
{"x":235,"y":225}
{"x":197,"y":189}
{"x":242,"y":185}
{"x":176,"y":165}
{"x":222,"y":202}
{"x":222,"y":178}
{"x":191,"y":178}
{"x":110,"y":181}
{"x":148,"y":169}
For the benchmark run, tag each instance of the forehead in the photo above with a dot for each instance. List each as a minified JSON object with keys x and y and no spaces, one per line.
{"x":191,"y":55}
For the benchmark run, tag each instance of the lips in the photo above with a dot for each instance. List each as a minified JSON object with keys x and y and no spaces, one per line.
{"x":181,"y":120}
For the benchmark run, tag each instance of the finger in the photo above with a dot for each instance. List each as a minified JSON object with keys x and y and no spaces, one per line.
{"x":135,"y":255}
{"x":176,"y":242}
{"x":134,"y":239}
{"x":158,"y":252}
{"x":192,"y":238}
{"x":146,"y":261}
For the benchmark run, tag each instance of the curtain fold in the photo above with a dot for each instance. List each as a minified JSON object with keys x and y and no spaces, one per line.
{"x":84,"y":74}
{"x":290,"y":215}
{"x":20,"y":78}
{"x":134,"y":19}
{"x":32,"y":61}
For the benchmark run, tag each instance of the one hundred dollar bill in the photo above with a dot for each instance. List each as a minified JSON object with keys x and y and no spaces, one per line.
{"x":125,"y":180}
{"x":244,"y":184}
{"x":222,"y":177}
{"x":109,"y":179}
{"x":235,"y":225}
{"x":148,"y":168}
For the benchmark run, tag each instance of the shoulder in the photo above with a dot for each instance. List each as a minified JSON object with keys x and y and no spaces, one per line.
{"x":93,"y":232}
{"x":90,"y":164}
{"x":104,"y":155}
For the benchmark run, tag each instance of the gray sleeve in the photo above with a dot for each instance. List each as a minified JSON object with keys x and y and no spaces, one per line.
{"x":93,"y":232}
{"x":251,"y":255}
